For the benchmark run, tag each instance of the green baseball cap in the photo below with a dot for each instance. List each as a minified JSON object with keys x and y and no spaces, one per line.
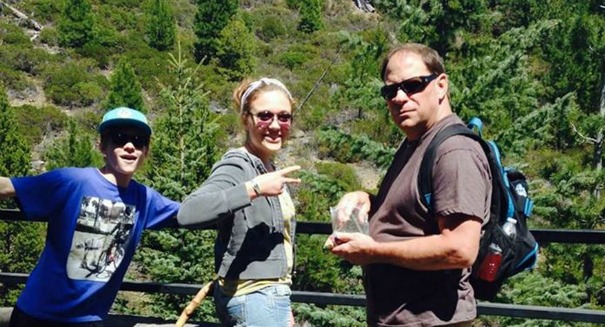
{"x":123,"y":116}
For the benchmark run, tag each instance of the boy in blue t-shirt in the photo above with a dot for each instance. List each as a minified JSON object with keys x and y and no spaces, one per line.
{"x":95,"y":220}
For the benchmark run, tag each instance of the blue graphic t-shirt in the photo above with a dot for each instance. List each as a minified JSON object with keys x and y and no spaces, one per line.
{"x":94,"y":227}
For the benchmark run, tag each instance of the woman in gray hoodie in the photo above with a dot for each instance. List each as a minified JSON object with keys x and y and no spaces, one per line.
{"x":247,"y":197}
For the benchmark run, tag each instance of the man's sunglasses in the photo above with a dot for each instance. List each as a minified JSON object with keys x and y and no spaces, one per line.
{"x":267,"y":117}
{"x":409,"y":86}
{"x":120,"y":139}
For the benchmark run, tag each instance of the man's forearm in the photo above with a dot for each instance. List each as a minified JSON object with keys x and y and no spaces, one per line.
{"x":423,"y":253}
{"x":452,"y":249}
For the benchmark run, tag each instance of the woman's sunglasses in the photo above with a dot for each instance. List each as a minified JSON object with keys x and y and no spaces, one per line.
{"x":267,"y":117}
{"x":409,"y":86}
{"x":120,"y":139}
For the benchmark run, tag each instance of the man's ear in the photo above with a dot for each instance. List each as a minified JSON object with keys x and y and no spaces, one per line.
{"x":443,"y":84}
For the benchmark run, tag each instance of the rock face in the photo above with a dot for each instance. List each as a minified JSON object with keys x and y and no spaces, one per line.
{"x":364,"y":5}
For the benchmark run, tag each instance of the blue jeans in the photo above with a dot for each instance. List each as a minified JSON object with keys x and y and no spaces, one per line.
{"x":267,"y":307}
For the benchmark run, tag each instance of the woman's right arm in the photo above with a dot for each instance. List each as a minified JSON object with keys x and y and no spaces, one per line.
{"x":224,"y":192}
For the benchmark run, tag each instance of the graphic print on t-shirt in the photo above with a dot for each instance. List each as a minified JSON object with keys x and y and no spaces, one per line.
{"x":102,"y":231}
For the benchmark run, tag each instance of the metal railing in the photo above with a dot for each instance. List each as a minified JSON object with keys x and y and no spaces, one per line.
{"x":484,"y":308}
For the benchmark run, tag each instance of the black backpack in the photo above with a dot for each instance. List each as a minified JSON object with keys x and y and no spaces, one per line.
{"x":509,"y":199}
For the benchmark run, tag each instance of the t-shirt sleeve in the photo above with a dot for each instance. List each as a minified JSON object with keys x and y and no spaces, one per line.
{"x":461,"y":179}
{"x":162,"y":211}
{"x":40,"y":196}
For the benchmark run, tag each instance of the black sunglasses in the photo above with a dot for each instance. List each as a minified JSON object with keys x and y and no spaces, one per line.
{"x":409,"y":86}
{"x":120,"y":139}
{"x":268,"y":117}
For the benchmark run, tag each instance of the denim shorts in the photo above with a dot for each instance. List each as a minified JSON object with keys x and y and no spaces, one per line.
{"x":267,"y":307}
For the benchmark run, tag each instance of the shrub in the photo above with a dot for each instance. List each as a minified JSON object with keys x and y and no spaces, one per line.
{"x":11,"y":34}
{"x":49,"y":36}
{"x":73,"y":83}
{"x":43,"y":10}
{"x":292,"y":59}
{"x":271,"y":28}
{"x":13,"y":80}
{"x":35,"y":122}
{"x":343,"y":174}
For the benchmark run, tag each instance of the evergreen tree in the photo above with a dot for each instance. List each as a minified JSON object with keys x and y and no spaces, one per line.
{"x":75,"y":150}
{"x":125,"y":89}
{"x":184,"y":149}
{"x":236,"y":48}
{"x":161,"y":27}
{"x":76,"y":24}
{"x":20,"y":242}
{"x":210,"y":19}
{"x":310,"y":16}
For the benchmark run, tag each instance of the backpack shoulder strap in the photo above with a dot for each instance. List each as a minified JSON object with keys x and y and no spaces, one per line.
{"x":500,"y":199}
{"x":425,"y":181}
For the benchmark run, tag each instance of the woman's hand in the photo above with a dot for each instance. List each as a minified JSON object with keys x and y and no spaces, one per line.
{"x":273,"y":183}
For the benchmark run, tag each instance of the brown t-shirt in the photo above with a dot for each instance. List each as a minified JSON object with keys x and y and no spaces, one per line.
{"x":398,"y":296}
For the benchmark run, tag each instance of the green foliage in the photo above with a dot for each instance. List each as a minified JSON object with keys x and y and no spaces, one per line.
{"x":76,"y":25}
{"x":161,"y":27}
{"x":210,"y":19}
{"x":43,"y":11}
{"x":332,"y":316}
{"x":184,"y":149}
{"x":271,"y":27}
{"x":347,"y":148}
{"x":535,"y":289}
{"x":124,"y":89}
{"x":76,"y":149}
{"x":150,"y":65}
{"x":50,"y":36}
{"x":342,"y":173}
{"x":235,"y":50}
{"x":316,"y":269}
{"x":12,"y":34}
{"x":310,"y":16}
{"x":35,"y":123}
{"x":24,"y":58}
{"x":14,"y":157}
{"x":315,"y":196}
{"x":73,"y":83}
{"x":20,"y":243}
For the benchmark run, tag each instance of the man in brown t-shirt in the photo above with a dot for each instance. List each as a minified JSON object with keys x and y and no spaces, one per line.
{"x":416,"y":266}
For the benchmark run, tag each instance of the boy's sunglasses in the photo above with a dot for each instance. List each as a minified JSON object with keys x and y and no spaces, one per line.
{"x":409,"y":86}
{"x":267,"y":117}
{"x":120,"y":139}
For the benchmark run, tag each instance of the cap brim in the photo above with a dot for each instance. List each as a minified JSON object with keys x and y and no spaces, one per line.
{"x":125,"y":123}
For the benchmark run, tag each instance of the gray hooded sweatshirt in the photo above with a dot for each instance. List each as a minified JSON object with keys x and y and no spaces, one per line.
{"x":250,"y":240}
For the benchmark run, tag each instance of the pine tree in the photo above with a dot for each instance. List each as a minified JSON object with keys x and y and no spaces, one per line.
{"x":125,"y":89}
{"x":310,"y":16}
{"x":20,"y":242}
{"x":210,"y":19}
{"x":75,"y":150}
{"x":76,"y":24}
{"x":161,"y":28}
{"x":185,"y":147}
{"x":235,"y":50}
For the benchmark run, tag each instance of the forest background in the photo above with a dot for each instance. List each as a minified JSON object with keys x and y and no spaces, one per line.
{"x":533,"y":71}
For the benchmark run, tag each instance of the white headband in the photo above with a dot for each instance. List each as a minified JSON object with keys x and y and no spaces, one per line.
{"x":255,"y":85}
